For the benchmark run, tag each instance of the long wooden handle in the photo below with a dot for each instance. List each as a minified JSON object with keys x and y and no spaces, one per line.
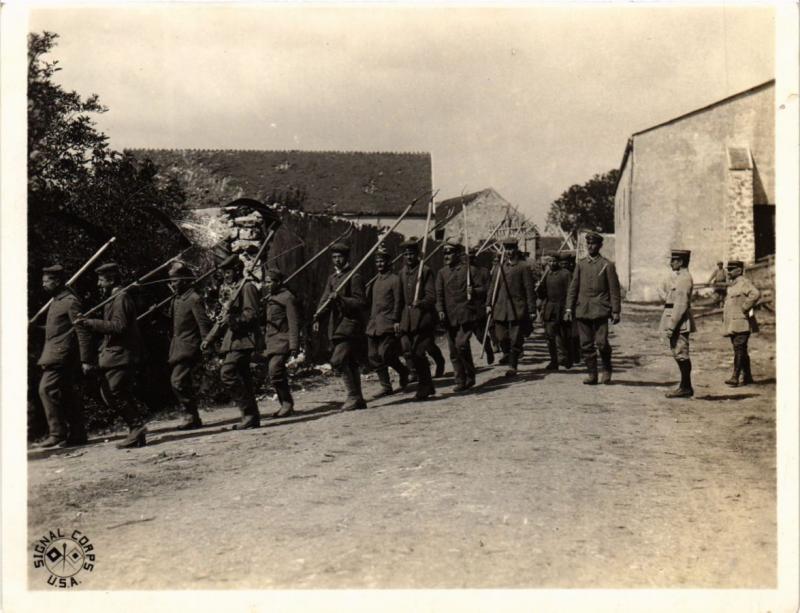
{"x":424,"y":249}
{"x":74,"y":278}
{"x":495,"y":291}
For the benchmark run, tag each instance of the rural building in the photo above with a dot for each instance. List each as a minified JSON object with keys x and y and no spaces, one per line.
{"x":485,"y":210}
{"x":363,"y":187}
{"x":703,"y":181}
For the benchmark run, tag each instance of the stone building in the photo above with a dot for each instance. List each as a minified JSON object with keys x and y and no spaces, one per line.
{"x":485,"y":210}
{"x":703,"y":181}
{"x":367,"y":188}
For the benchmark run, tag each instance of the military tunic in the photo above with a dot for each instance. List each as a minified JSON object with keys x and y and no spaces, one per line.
{"x":513,"y":306}
{"x":677,"y":316}
{"x":190,"y":325}
{"x":460,"y":316}
{"x":418,"y":322}
{"x":283,"y":338}
{"x":594,"y":296}
{"x":553,"y":292}
{"x":346,"y":329}
{"x":738,"y":323}
{"x":386,"y":309}
{"x":62,"y":354}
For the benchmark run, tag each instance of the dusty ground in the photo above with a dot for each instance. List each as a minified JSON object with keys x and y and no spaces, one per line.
{"x":539,"y":482}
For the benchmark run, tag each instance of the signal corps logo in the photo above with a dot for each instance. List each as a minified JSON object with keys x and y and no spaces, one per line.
{"x":64,"y":557}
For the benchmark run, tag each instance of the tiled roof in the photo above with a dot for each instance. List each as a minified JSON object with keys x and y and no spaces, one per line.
{"x":342,"y":183}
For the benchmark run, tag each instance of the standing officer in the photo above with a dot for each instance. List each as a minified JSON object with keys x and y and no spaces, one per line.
{"x":515,"y":306}
{"x":383,"y":327}
{"x":552,"y":289}
{"x":592,"y":298}
{"x":482,"y":277}
{"x":283,"y":337}
{"x":120,"y":353}
{"x":738,"y":320}
{"x":458,"y":308}
{"x":677,"y":322}
{"x":346,"y":325}
{"x":190,"y":325}
{"x":62,"y":357}
{"x":242,"y":338}
{"x":418,"y":321}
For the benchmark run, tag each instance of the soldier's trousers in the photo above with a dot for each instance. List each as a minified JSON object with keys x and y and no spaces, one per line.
{"x":594,"y":340}
{"x":182,"y":387}
{"x":461,"y":352}
{"x":741,"y":357}
{"x":383,"y":352}
{"x":510,"y":336}
{"x":60,"y":393}
{"x":679,"y":345}
{"x":279,"y":376}
{"x":415,"y":348}
{"x":558,"y":339}
{"x":238,"y":380}
{"x":345,"y":359}
{"x":116,"y":387}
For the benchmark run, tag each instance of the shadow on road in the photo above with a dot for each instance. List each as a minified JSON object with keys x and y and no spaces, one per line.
{"x":715,"y":397}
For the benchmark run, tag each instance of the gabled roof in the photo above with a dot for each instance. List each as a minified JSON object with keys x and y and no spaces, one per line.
{"x":336,"y":182}
{"x":453,"y":206}
{"x":741,"y":94}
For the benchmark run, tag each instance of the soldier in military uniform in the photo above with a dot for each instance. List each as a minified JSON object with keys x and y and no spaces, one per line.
{"x":677,"y":322}
{"x":552,"y":290}
{"x":482,"y":277}
{"x":383,"y":328}
{"x":457,"y":306}
{"x":120,"y":353}
{"x":63,"y":356}
{"x":346,"y":325}
{"x":418,"y":321}
{"x":594,"y":297}
{"x":738,"y":321}
{"x":242,"y":338}
{"x":515,"y":305}
{"x":190,"y":325}
{"x":718,"y":281}
{"x":283,"y":337}
{"x":567,"y":259}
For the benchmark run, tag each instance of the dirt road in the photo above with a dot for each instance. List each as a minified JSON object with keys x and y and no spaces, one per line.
{"x":535,"y":482}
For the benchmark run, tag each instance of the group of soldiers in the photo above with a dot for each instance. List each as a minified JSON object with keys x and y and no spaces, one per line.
{"x":394,"y":315}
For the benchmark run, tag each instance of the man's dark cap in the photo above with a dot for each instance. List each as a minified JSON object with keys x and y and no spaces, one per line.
{"x":55,"y":269}
{"x":340,"y":247}
{"x":411,"y":243}
{"x":109,"y":268}
{"x":594,"y":237}
{"x":382,"y":252}
{"x":451,"y":245}
{"x":735,"y":264}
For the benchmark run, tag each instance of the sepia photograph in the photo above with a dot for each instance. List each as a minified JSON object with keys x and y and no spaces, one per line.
{"x":345,"y":306}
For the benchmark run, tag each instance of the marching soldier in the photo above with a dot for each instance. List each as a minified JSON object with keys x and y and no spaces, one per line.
{"x":738,"y":320}
{"x":457,"y":308}
{"x":241,"y":339}
{"x":515,"y":305}
{"x":283,"y":338}
{"x":346,"y":325}
{"x":63,"y":356}
{"x":190,"y":325}
{"x":383,"y":327}
{"x":567,"y":259}
{"x":552,"y":289}
{"x":482,"y":279}
{"x":677,"y":322}
{"x":593,"y":297}
{"x":120,"y":353}
{"x":418,"y":321}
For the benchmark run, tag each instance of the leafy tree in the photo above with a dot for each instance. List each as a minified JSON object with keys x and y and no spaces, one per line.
{"x":81,"y":192}
{"x":589,"y":206}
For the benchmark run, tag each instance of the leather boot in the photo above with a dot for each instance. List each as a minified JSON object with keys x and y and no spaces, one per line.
{"x":513,"y":359}
{"x":403,"y":373}
{"x":191,"y":420}
{"x":287,"y":409}
{"x":438,"y":359}
{"x":747,"y":375}
{"x":684,"y":389}
{"x":489,"y":352}
{"x":412,"y":371}
{"x":737,"y":369}
{"x":551,"y":348}
{"x":361,"y":403}
{"x":386,"y":383}
{"x":135,"y":438}
{"x":591,"y":368}
{"x":605,"y":375}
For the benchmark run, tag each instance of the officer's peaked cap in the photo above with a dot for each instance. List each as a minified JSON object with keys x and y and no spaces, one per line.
{"x":55,"y":269}
{"x":340,"y":247}
{"x":109,"y":268}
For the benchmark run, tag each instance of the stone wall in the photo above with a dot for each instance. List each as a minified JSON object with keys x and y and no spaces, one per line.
{"x":739,"y":216}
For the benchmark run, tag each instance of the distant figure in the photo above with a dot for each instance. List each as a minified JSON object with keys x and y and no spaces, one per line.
{"x":738,"y":320}
{"x":719,"y":281}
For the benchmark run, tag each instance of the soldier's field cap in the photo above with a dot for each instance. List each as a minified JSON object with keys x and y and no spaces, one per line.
{"x":55,"y":269}
{"x":109,"y":268}
{"x":735,"y":264}
{"x":179,"y":269}
{"x":684,"y":254}
{"x":594,"y":237}
{"x":411,"y":243}
{"x":340,"y":247}
{"x":382,"y":252}
{"x":452,"y":245}
{"x":510,"y":242}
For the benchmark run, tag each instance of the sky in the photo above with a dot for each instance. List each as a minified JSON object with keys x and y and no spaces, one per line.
{"x":526,"y":99}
